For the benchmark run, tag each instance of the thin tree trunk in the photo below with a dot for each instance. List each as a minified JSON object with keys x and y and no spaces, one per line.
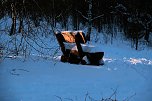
{"x":89,"y":20}
{"x":13,"y":28}
{"x":20,"y":25}
{"x":136,"y":40}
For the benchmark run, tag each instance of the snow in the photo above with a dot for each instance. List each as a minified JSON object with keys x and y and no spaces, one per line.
{"x":85,"y":47}
{"x":69,"y":45}
{"x":126,"y":72}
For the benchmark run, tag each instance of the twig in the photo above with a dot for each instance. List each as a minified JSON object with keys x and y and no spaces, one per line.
{"x":128,"y":98}
{"x":92,"y":99}
{"x":86,"y":96}
{"x":114,"y":93}
{"x":97,"y":17}
{"x":38,"y":44}
{"x":33,"y":47}
{"x":82,"y":15}
{"x":58,"y":97}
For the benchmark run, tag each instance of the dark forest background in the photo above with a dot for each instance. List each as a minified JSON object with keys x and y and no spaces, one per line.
{"x":133,"y":17}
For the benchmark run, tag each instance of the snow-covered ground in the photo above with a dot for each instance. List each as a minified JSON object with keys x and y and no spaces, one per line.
{"x":125,"y":76}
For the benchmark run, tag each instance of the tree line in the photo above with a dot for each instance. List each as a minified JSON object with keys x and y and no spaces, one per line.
{"x":131,"y":16}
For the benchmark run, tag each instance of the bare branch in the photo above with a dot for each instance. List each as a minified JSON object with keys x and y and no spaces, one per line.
{"x":82,"y":15}
{"x":97,"y":17}
{"x":128,"y":98}
{"x":114,"y":93}
{"x":58,"y":97}
{"x":86,"y":96}
{"x":92,"y":99}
